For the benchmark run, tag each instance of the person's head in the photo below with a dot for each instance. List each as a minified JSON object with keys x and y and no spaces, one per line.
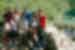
{"x":39,"y":12}
{"x":35,"y":14}
{"x":11,"y":10}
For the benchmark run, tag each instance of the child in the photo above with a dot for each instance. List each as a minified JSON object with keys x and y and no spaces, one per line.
{"x":17,"y":16}
{"x":7,"y":25}
{"x":42,"y":19}
{"x":27,"y":15}
{"x":34,"y":20}
{"x":7,"y":19}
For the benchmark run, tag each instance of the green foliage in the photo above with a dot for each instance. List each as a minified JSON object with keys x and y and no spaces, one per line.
{"x":51,"y":18}
{"x":51,"y":44}
{"x":51,"y":7}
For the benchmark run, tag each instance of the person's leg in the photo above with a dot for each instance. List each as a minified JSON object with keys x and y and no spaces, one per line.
{"x":21,"y":42}
{"x":5,"y":40}
{"x":30,"y":43}
{"x":26,"y":40}
{"x":12,"y":36}
{"x":7,"y":29}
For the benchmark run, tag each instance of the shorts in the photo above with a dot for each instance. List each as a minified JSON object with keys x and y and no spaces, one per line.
{"x":12,"y":35}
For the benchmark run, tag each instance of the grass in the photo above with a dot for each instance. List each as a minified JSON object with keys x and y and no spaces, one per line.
{"x":1,"y":19}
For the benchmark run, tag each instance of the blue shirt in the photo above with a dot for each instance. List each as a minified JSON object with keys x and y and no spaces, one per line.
{"x":28,"y":16}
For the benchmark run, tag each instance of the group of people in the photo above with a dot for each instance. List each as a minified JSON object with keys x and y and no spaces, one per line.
{"x":23,"y":28}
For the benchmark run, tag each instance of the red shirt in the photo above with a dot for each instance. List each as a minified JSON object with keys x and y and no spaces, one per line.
{"x":42,"y":21}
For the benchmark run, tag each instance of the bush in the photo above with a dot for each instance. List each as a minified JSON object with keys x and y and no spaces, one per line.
{"x":50,"y":43}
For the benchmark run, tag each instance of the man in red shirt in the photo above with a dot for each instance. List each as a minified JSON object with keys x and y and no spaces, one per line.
{"x":42,"y":19}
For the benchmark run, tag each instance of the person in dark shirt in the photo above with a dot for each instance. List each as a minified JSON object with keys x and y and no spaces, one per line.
{"x":8,"y":16}
{"x":7,"y":25}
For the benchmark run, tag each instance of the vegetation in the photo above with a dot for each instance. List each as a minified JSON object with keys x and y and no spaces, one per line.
{"x":51,"y":7}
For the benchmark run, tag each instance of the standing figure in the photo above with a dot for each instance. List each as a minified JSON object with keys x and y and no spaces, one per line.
{"x":8,"y":16}
{"x":42,"y":19}
{"x":28,"y":16}
{"x":7,"y":25}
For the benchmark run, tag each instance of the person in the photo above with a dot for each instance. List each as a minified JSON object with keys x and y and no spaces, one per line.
{"x":17,"y":16}
{"x":24,"y":20}
{"x":16,"y":20}
{"x":25,"y":34}
{"x":35,"y":36}
{"x":13,"y":34}
{"x":12,"y":31}
{"x":35,"y":22}
{"x":27,"y":15}
{"x":8,"y":15}
{"x":40,"y":27}
{"x":42,"y":19}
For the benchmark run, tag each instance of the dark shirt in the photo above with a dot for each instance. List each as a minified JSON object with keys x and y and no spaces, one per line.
{"x":8,"y":16}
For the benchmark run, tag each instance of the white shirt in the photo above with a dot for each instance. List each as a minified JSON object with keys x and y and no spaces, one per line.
{"x":17,"y":18}
{"x":26,"y":24}
{"x":34,"y":23}
{"x":13,"y":25}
